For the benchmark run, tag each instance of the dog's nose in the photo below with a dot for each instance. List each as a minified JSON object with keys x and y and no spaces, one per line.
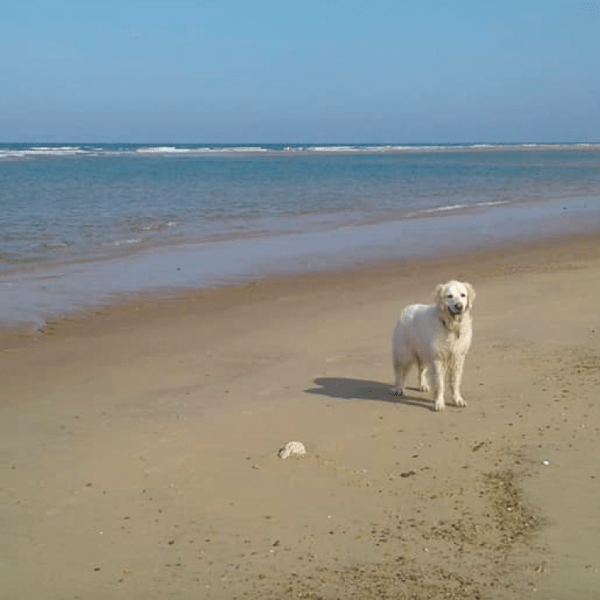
{"x":458,"y":306}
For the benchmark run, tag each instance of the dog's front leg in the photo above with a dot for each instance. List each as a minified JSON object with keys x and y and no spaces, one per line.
{"x":436,"y":374}
{"x":456,"y":371}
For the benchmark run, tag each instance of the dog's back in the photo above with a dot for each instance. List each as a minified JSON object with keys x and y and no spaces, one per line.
{"x":413,"y":329}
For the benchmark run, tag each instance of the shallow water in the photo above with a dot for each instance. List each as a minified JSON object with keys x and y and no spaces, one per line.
{"x":31,"y":297}
{"x":61,"y":204}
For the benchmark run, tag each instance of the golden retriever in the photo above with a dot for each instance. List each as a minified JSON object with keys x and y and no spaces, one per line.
{"x":435,"y":337}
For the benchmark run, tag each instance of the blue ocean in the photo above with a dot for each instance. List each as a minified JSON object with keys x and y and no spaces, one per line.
{"x":85,"y":224}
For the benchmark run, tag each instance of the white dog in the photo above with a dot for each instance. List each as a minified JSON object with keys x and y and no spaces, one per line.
{"x":436,"y":337}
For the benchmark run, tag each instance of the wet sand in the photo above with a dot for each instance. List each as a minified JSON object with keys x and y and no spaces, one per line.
{"x":139,"y":442}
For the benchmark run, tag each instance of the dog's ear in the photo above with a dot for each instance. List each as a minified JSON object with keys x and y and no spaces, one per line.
{"x":438,"y":295}
{"x":471,"y":292}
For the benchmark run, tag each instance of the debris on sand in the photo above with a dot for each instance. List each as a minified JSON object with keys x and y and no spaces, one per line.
{"x":292,"y":449}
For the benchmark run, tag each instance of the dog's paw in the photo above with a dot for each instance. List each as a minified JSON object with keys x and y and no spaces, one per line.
{"x":460,"y":401}
{"x":396,"y":391}
{"x":439,"y":406}
{"x":424,"y":387}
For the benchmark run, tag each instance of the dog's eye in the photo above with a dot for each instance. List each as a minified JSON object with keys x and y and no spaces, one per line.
{"x":449,"y":296}
{"x":463,"y":295}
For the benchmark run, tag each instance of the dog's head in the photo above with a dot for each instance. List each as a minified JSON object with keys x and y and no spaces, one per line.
{"x":454,"y":298}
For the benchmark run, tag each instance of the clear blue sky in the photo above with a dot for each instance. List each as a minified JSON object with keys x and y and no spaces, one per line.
{"x":300,"y":71}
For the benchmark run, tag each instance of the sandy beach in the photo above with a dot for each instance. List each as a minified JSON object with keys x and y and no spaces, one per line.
{"x":139,"y":442}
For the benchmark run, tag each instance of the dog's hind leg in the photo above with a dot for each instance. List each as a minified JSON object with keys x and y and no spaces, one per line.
{"x":423,"y":378}
{"x":400,"y":370}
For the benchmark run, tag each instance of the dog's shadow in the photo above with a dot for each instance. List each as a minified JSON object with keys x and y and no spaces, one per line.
{"x":361,"y":389}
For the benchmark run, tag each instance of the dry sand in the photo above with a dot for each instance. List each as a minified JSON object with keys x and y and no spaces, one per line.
{"x":138,"y":444}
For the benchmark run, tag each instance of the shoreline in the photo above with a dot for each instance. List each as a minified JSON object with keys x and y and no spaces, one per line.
{"x":141,"y":442}
{"x":502,"y":259}
{"x":30,"y":299}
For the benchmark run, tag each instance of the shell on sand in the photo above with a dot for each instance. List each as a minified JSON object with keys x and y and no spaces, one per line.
{"x":292,"y":449}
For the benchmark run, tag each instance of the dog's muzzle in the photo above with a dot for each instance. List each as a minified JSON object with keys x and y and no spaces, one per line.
{"x":456,"y":310}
